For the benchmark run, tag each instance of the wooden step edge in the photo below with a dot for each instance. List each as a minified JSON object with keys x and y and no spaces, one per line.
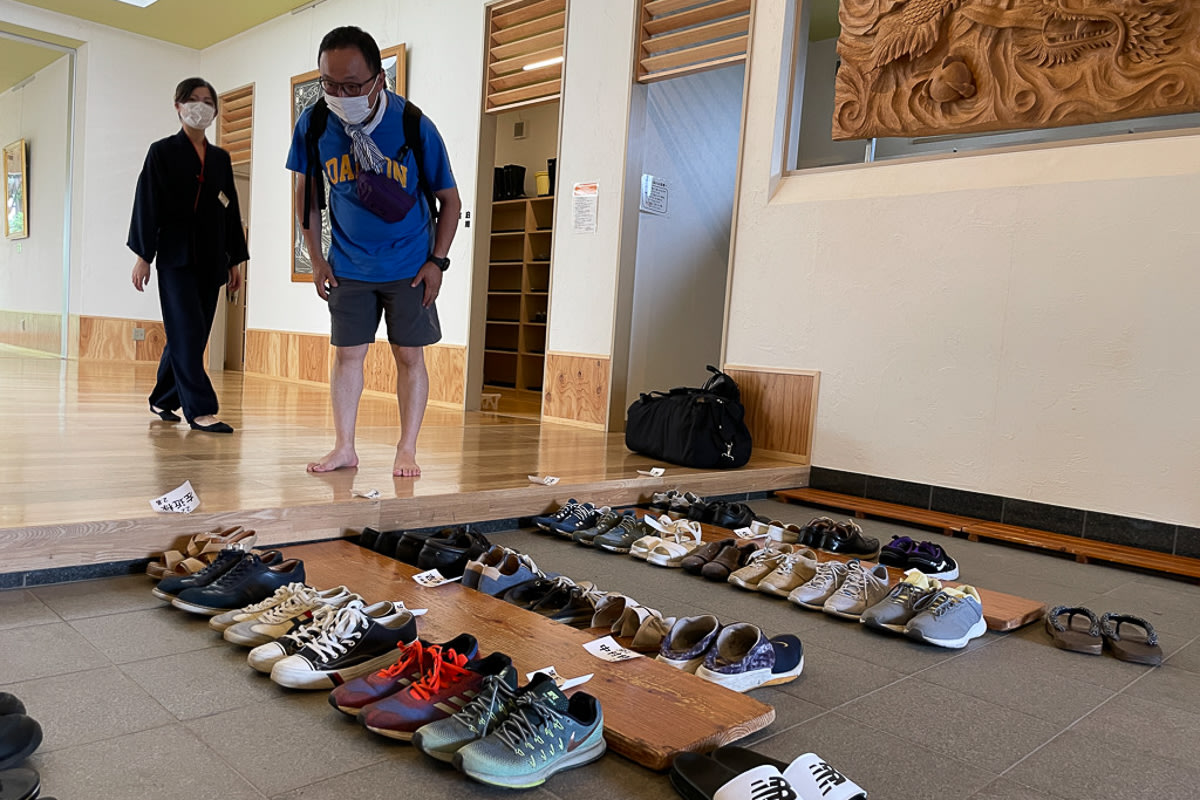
{"x":882,"y":508}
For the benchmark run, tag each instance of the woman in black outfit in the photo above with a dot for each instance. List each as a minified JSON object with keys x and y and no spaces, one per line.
{"x":186,"y":213}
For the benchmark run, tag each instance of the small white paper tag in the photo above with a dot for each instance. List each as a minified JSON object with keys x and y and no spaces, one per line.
{"x":653,"y":472}
{"x":433,"y":578}
{"x":608,"y":649}
{"x":549,"y":480}
{"x":559,"y":680}
{"x":369,"y":494}
{"x":747,"y":533}
{"x":183,"y":500}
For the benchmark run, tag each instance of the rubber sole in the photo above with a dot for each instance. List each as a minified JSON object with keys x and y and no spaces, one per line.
{"x":975,"y":632}
{"x":264,"y":664}
{"x":161,"y":595}
{"x":755,"y":679}
{"x":689,"y":665}
{"x":578,"y":758}
{"x":194,"y":608}
{"x":247,"y":640}
{"x":299,"y":678}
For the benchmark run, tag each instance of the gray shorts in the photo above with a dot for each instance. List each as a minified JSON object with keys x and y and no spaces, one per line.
{"x":355,"y":308}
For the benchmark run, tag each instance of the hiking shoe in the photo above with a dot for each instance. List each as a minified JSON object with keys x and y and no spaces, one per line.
{"x":759,"y":565}
{"x":489,"y":559}
{"x":252,"y":580}
{"x":497,"y":696}
{"x":547,"y":522}
{"x":824,"y":582}
{"x":450,"y":554}
{"x":862,"y":589}
{"x":357,"y":640}
{"x":445,"y":688}
{"x":581,"y":518}
{"x":688,"y":641}
{"x":304,"y":630}
{"x":902,"y":603}
{"x":354,"y":695}
{"x":931,"y":559}
{"x":544,"y":734}
{"x":895,"y":553}
{"x":604,"y":523}
{"x":169,"y":588}
{"x":694,"y":561}
{"x":517,"y":568}
{"x":847,"y":538}
{"x":224,"y":620}
{"x":277,"y":621}
{"x":796,"y":568}
{"x":743,"y":658}
{"x":621,"y":538}
{"x":952,"y":618}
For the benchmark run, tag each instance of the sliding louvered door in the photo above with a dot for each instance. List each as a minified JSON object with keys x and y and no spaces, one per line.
{"x":525,"y":53}
{"x":679,"y":37}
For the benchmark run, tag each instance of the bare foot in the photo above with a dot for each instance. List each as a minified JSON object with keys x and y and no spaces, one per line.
{"x":335,"y":459}
{"x":405,"y":465}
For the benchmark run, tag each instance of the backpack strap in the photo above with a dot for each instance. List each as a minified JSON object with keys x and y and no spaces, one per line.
{"x":412,"y":141}
{"x":314,"y":177}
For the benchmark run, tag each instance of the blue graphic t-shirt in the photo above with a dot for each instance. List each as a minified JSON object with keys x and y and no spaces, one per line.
{"x":365,"y":248}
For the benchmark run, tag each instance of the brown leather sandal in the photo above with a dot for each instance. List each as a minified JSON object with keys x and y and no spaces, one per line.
{"x":200,"y":551}
{"x":1069,"y":636}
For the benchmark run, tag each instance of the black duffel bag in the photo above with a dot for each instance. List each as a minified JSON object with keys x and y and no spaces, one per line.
{"x":701,"y":428}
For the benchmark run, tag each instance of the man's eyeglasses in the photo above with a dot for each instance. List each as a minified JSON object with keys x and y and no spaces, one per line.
{"x":348,"y":89}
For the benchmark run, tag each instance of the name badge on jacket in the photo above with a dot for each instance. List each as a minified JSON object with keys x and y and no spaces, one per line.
{"x":224,"y":200}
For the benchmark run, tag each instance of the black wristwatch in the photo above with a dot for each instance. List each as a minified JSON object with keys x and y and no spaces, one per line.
{"x":442,"y":263}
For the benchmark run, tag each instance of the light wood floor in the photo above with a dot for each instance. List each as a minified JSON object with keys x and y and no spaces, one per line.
{"x":83,"y":456}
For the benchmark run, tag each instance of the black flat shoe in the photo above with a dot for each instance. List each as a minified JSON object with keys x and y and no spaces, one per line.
{"x":216,"y":427}
{"x":10,"y":704}
{"x":164,"y":415}
{"x":20,"y":736}
{"x":19,"y":784}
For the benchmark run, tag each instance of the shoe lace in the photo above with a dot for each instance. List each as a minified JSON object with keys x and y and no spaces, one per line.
{"x":759,"y":557}
{"x":280,"y":596}
{"x":530,"y":718}
{"x":827,"y":572}
{"x":343,"y":631}
{"x":301,"y":600}
{"x":580,"y":513}
{"x":565,"y":511}
{"x":445,"y":667}
{"x":322,"y":618}
{"x":414,"y":654}
{"x":235,"y":574}
{"x":488,"y":707}
{"x":941,"y":603}
{"x":856,"y":580}
{"x":904,"y":593}
{"x":789,"y":562}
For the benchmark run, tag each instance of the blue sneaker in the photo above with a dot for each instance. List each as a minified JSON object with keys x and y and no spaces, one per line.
{"x":516,"y":568}
{"x":581,"y":518}
{"x":544,"y":734}
{"x":549,"y":522}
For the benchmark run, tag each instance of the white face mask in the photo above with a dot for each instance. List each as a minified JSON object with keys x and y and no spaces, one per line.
{"x":197,"y":115}
{"x":350,"y":110}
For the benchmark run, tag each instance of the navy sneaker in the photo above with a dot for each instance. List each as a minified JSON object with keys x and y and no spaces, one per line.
{"x":169,"y":588}
{"x":254,"y":579}
{"x":582,"y":517}
{"x":931,"y":559}
{"x":547,"y":522}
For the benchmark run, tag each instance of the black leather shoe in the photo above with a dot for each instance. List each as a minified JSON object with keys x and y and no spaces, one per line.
{"x":368,"y":538}
{"x":409,"y":544}
{"x":19,"y":737}
{"x":385,"y":543}
{"x":169,"y":588}
{"x":449,"y":556}
{"x":20,"y":784}
{"x":813,"y":534}
{"x":164,"y":414}
{"x":10,"y":704}
{"x":216,"y":427}
{"x":734,"y":516}
{"x":530,"y":593}
{"x":847,"y":537}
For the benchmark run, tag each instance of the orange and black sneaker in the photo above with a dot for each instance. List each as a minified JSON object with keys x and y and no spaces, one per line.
{"x":351,"y":697}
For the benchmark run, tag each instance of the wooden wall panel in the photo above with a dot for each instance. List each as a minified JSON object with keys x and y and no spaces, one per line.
{"x":151,"y":348}
{"x":576,"y":389}
{"x":111,"y":339}
{"x":31,"y":330}
{"x":781,"y":408}
{"x":447,"y":366}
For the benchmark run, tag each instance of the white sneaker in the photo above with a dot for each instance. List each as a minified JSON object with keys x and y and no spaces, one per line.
{"x":222,"y":621}
{"x":827,"y":580}
{"x":796,"y":569}
{"x":263,"y":657}
{"x":862,"y":589}
{"x":275,"y":622}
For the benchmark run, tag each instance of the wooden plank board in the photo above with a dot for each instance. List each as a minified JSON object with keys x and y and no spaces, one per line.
{"x":678,"y":58}
{"x":706,"y":13}
{"x":1002,"y":612}
{"x":693,"y":36}
{"x":947,"y":523}
{"x":636,"y":695}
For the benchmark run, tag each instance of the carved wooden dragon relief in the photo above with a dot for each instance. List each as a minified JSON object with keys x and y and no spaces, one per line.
{"x":934,"y":67}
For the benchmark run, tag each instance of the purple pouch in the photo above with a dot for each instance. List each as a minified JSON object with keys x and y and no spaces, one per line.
{"x":384,"y":197}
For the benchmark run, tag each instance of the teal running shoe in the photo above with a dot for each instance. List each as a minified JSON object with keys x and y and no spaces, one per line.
{"x":544,"y":734}
{"x":497,"y":696}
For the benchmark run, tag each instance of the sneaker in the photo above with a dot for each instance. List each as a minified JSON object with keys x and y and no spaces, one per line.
{"x":581,"y":518}
{"x":827,"y":580}
{"x":356,"y":641}
{"x":952,"y":618}
{"x":490,"y":559}
{"x":661,"y":501}
{"x":931,"y":559}
{"x":277,"y":621}
{"x":902,"y":603}
{"x":895,"y":553}
{"x":743,"y":658}
{"x":547,"y":522}
{"x":796,"y":568}
{"x":354,"y":695}
{"x":445,"y":688}
{"x":169,"y":588}
{"x":224,"y":620}
{"x":570,"y":605}
{"x":862,"y":589}
{"x":760,"y":564}
{"x":621,"y":538}
{"x":682,"y":504}
{"x":688,"y":642}
{"x":304,"y":630}
{"x":252,"y":580}
{"x":606,"y":522}
{"x":543,"y":735}
{"x":442,"y":738}
{"x":517,"y":568}
{"x":450,"y":554}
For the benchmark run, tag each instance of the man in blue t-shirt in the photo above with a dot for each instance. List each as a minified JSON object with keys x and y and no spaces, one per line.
{"x":375,"y":268}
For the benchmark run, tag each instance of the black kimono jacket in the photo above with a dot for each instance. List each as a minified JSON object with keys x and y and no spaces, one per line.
{"x":188,"y":220}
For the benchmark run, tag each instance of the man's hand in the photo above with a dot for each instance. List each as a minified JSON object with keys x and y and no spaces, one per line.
{"x":235,"y":279}
{"x":431,"y":275}
{"x":322,"y":275}
{"x":141,"y":274}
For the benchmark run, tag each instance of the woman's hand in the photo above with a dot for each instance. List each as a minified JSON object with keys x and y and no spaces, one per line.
{"x":235,"y":279}
{"x":141,"y":274}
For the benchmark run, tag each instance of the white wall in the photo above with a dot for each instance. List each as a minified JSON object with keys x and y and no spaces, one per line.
{"x":1017,"y":323}
{"x":31,"y":269}
{"x":690,"y":140}
{"x":539,"y":144}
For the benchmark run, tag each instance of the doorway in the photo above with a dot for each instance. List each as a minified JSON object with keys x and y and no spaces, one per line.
{"x":235,"y":133}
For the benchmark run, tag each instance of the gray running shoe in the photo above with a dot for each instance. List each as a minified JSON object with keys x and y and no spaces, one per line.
{"x":827,"y":580}
{"x":442,"y":738}
{"x":608,"y":520}
{"x":952,"y":618}
{"x":862,"y":589}
{"x":622,"y":537}
{"x":902,"y":603}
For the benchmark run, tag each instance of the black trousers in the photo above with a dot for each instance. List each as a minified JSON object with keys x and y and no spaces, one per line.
{"x":189,"y":303}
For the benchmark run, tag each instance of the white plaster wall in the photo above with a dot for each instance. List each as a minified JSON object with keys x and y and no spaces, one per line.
{"x":539,"y":144}
{"x":1015,"y":323}
{"x":31,"y":269}
{"x":690,"y":140}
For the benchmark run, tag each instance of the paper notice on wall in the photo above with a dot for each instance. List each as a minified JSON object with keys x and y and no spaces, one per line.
{"x":183,"y":500}
{"x":584,"y":200}
{"x":654,"y":195}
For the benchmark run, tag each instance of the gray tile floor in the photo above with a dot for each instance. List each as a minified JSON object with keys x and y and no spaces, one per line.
{"x":140,"y":701}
